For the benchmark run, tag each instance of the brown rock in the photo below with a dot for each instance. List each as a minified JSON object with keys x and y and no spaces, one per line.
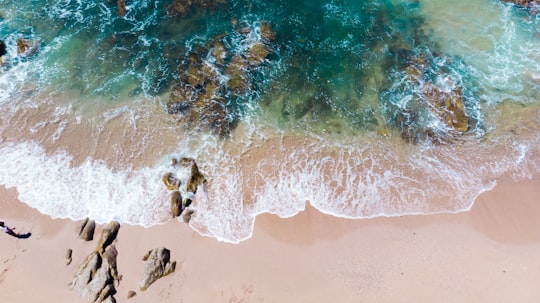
{"x":121,"y":8}
{"x":27,"y":48}
{"x":196,"y":177}
{"x":176,"y":204}
{"x":86,"y":230}
{"x":108,"y":235}
{"x":257,"y":53}
{"x":131,"y":294}
{"x":157,"y":266}
{"x":266,"y":31}
{"x":187,"y":215}
{"x":171,"y":182}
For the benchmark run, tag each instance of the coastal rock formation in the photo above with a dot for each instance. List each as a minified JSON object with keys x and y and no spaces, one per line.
{"x":184,"y":183}
{"x":86,"y":230}
{"x":96,"y":275}
{"x":27,"y":48}
{"x":441,"y":102}
{"x":176,"y":204}
{"x":108,"y":235}
{"x":158,"y":264}
{"x":213,"y":74}
{"x":187,"y":215}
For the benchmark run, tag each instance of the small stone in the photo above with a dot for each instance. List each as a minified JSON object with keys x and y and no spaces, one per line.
{"x":176,"y":204}
{"x":131,"y":294}
{"x":68,"y":256}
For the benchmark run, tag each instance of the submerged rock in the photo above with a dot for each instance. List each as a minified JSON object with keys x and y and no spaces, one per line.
{"x":524,"y":3}
{"x":121,"y":8}
{"x":86,"y":229}
{"x":158,"y":264}
{"x":27,"y":48}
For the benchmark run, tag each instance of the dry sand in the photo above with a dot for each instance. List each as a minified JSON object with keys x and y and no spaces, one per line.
{"x":489,"y":254}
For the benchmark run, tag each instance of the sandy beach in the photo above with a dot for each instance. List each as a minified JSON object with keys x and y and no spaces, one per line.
{"x":489,"y":254}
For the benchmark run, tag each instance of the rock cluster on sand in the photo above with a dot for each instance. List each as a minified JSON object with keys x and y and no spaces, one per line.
{"x":524,"y":3}
{"x":86,"y":230}
{"x":96,"y":275}
{"x":183,"y":183}
{"x":215,"y":73}
{"x":158,"y":264}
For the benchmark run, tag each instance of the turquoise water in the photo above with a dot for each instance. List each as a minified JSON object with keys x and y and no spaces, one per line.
{"x":350,"y":105}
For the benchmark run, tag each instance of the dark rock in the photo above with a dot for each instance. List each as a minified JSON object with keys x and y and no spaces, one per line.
{"x":86,"y":230}
{"x":2,"y":48}
{"x":131,"y":294}
{"x":157,"y":265}
{"x":266,"y":32}
{"x":68,"y":256}
{"x":187,"y":215}
{"x":176,"y":204}
{"x":108,"y":235}
{"x":257,"y":53}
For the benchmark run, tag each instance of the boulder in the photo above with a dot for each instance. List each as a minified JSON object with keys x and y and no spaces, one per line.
{"x":196,"y":178}
{"x":257,"y":53}
{"x":108,"y":235}
{"x":176,"y":204}
{"x":187,"y":215}
{"x":157,"y":265}
{"x":2,"y":48}
{"x":121,"y":8}
{"x":27,"y":48}
{"x":267,"y":33}
{"x":171,"y":181}
{"x":86,"y":230}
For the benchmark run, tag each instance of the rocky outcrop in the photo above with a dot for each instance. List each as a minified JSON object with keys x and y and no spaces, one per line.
{"x":86,"y":229}
{"x":27,"y":48}
{"x":108,"y":235}
{"x":187,"y":215}
{"x":158,"y":264}
{"x":435,"y":110}
{"x":95,"y":277}
{"x":183,"y":182}
{"x":216,"y":72}
{"x":180,"y":8}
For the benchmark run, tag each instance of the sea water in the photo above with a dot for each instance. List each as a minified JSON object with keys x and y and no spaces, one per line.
{"x":85,"y":131}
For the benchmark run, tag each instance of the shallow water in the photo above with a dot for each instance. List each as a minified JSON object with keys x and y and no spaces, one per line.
{"x":85,"y":129}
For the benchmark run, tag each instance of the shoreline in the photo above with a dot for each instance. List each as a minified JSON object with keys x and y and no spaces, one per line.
{"x":488,"y":253}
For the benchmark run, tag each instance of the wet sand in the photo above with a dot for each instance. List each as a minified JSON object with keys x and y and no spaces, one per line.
{"x":489,"y":254}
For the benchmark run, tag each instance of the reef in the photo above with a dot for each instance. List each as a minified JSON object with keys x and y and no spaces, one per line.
{"x":180,"y":8}
{"x":431,"y":105}
{"x":214,"y":75}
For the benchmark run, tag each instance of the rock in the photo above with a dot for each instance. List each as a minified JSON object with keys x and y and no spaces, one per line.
{"x":176,"y":204}
{"x":196,"y":177}
{"x":187,"y":215}
{"x":108,"y":235}
{"x":27,"y":48}
{"x":237,"y":73}
{"x":266,"y":32}
{"x":2,"y":48}
{"x":121,"y":8}
{"x":68,"y":256}
{"x":524,"y":3}
{"x":157,"y":266}
{"x":257,"y":53}
{"x":86,"y":230}
{"x":171,"y":182}
{"x":110,"y":255}
{"x":131,"y":294}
